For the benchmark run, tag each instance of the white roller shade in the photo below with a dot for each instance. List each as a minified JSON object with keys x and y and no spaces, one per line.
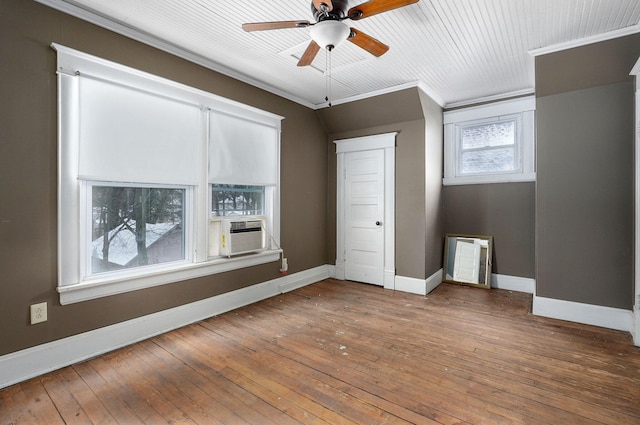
{"x":135,"y":136}
{"x":242,"y":151}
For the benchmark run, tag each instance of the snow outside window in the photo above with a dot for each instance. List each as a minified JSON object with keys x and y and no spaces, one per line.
{"x":491,"y":143}
{"x":488,"y":148}
{"x":137,"y":157}
{"x":136,"y":226}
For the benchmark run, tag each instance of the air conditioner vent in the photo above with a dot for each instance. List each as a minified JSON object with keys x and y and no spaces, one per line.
{"x":242,"y":235}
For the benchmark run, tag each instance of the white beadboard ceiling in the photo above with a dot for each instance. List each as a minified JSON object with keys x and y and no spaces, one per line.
{"x":458,"y":51}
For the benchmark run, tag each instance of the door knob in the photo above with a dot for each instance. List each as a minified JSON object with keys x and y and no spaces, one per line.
{"x":378,"y":223}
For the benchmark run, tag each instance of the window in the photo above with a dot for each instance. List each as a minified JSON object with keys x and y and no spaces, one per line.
{"x":145,"y":165}
{"x":488,"y":148}
{"x":233,"y":200}
{"x":136,"y":227}
{"x":490,"y":143}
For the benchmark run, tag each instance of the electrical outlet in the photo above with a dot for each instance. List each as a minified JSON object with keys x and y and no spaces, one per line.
{"x":38,"y":313}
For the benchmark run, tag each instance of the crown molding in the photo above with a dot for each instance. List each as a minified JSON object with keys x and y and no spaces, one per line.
{"x":586,"y":40}
{"x":417,"y":84}
{"x":490,"y":99}
{"x":101,"y":21}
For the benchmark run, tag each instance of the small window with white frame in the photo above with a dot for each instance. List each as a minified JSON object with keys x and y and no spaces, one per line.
{"x":490,"y":143}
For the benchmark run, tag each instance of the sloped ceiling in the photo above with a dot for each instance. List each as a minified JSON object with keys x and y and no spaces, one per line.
{"x":457,"y":51}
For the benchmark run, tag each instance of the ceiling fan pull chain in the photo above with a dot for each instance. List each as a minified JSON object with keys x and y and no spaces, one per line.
{"x":327,"y":73}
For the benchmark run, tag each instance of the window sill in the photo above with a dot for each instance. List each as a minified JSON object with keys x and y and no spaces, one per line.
{"x":104,"y":287}
{"x":488,"y":179}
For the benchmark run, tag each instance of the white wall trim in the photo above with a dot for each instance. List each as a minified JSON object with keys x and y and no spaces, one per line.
{"x":498,"y":281}
{"x":521,"y":109}
{"x":387,"y":143}
{"x":496,"y":109}
{"x":490,"y":178}
{"x":494,"y":98}
{"x":419,"y":84}
{"x":434,"y":280}
{"x":389,"y":279}
{"x":159,"y":44}
{"x":411,"y":284}
{"x":589,"y":314}
{"x":332,"y":271}
{"x":418,"y":286}
{"x":28,"y":363}
{"x":636,"y":326}
{"x":513,"y":283}
{"x":586,"y":40}
{"x":636,"y":298}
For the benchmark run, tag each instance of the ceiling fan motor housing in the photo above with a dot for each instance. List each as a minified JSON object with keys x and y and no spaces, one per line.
{"x":338,"y":12}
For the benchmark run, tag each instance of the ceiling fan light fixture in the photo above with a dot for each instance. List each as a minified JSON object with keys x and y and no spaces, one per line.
{"x":329,"y":33}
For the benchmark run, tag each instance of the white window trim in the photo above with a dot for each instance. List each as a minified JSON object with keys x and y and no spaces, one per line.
{"x":453,"y":120}
{"x":86,"y":188}
{"x":72,"y":285}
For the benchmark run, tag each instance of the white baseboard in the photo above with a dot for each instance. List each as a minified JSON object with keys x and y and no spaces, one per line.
{"x":513,"y":283}
{"x":498,"y":281}
{"x":418,"y":286}
{"x":332,"y":271}
{"x":606,"y":317}
{"x":22,"y":365}
{"x":636,"y":328}
{"x":411,"y":284}
{"x":434,"y":281}
{"x":389,"y":279}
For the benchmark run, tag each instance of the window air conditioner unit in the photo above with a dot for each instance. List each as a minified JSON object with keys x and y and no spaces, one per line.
{"x":242,"y":235}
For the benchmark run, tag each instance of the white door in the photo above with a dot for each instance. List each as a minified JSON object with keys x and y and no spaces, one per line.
{"x":364,"y":214}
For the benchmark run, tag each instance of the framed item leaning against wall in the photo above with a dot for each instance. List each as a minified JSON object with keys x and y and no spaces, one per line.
{"x":467,"y":259}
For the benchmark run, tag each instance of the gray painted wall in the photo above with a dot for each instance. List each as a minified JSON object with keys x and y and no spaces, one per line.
{"x":434,"y":170}
{"x":28,"y":177}
{"x":417,"y":231}
{"x":585,"y":196}
{"x":584,"y":193}
{"x":505,"y":211}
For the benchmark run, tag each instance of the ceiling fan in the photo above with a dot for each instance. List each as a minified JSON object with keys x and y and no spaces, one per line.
{"x":329,"y":30}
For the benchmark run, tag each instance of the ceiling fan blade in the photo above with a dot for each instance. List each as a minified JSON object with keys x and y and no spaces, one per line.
{"x":262,"y":26}
{"x":318,"y":5}
{"x":309,"y":54}
{"x":374,"y":7}
{"x":368,"y":43}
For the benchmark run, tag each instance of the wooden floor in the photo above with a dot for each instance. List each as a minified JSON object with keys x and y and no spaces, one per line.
{"x":346,"y":353}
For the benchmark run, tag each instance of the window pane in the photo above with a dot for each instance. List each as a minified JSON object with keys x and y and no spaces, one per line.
{"x":486,"y":135}
{"x":488,"y":161}
{"x":136,"y":226}
{"x":230,"y":200}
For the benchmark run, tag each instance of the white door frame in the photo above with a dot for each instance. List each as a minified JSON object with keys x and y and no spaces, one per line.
{"x":386,"y":141}
{"x":636,"y":299}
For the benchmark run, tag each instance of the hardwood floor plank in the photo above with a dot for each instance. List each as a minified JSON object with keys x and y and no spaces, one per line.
{"x":496,"y":372}
{"x":70,"y":410}
{"x":229,"y":394}
{"x":205,"y":392}
{"x":91,"y":404}
{"x":302,"y":379}
{"x":377,"y":375}
{"x":139,"y":374}
{"x":14,"y":406}
{"x":338,"y":352}
{"x":40,"y":408}
{"x":301,"y":371}
{"x":114,"y":398}
{"x":258,"y":375}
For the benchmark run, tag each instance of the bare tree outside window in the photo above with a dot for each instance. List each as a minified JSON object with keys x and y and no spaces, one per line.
{"x":136,"y":226}
{"x":232,"y":200}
